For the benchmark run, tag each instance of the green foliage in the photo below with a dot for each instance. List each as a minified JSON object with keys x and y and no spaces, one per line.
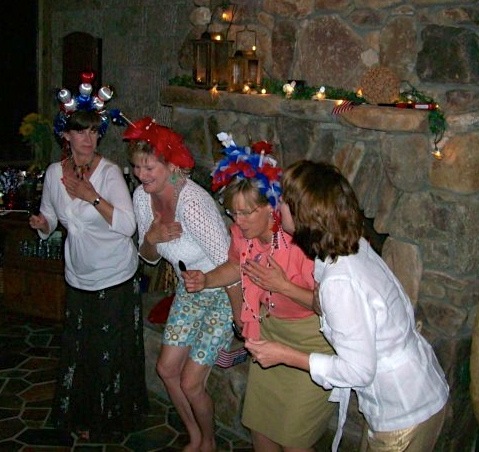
{"x":182,"y":80}
{"x":437,"y":124}
{"x":436,"y":119}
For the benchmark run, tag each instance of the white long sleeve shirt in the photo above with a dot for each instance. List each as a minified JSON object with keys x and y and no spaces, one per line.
{"x":369,"y":320}
{"x":205,"y":240}
{"x":97,"y":255}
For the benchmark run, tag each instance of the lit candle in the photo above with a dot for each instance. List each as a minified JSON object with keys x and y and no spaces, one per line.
{"x":263,"y":91}
{"x":437,"y":154}
{"x":214,"y":91}
{"x":246,"y":89}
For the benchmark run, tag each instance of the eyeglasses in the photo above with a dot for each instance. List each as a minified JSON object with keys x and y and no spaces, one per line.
{"x":241,"y":213}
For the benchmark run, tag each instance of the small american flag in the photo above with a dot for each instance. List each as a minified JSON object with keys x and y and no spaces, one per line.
{"x":229,"y":359}
{"x":343,"y":106}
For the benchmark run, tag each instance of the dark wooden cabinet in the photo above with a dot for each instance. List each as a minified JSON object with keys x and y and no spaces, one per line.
{"x":32,"y":285}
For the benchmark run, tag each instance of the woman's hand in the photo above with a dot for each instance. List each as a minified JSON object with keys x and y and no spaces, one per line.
{"x":39,"y":222}
{"x":162,"y":232}
{"x":266,"y":353}
{"x":272,"y":353}
{"x":272,"y":278}
{"x":79,"y":187}
{"x":195,"y":280}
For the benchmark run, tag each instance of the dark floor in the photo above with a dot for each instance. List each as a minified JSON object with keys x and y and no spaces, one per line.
{"x":29,"y":349}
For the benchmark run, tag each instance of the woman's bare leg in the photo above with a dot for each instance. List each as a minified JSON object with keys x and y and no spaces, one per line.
{"x":193,"y":383}
{"x":262,"y":443}
{"x":170,"y":366}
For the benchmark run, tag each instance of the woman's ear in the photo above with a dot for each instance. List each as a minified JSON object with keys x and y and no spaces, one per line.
{"x":171,"y":167}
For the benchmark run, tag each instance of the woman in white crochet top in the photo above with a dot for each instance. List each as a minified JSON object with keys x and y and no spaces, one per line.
{"x":179,"y":221}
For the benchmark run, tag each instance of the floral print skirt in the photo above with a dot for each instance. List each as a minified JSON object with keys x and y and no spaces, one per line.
{"x":101,"y":382}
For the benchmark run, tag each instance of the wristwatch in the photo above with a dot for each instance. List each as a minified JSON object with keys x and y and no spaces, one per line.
{"x":96,"y":202}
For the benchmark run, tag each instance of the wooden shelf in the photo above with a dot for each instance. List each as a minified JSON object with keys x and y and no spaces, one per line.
{"x":32,"y":285}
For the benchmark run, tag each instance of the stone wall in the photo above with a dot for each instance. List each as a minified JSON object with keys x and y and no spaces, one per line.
{"x":426,"y":206}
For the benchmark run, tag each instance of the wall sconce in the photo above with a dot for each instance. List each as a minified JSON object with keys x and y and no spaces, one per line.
{"x":210,"y":66}
{"x":244,"y":65}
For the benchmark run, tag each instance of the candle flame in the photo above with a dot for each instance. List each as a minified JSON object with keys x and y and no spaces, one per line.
{"x":437,"y":154}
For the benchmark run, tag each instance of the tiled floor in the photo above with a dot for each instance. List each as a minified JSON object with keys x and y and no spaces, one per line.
{"x":29,"y":349}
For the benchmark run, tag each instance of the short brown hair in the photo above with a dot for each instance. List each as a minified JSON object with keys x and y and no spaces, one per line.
{"x":325,"y":210}
{"x":248,"y":188}
{"x":82,"y":120}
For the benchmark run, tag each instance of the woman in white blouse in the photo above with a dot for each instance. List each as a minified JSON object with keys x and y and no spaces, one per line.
{"x":101,"y":391}
{"x":365,"y":315}
{"x":179,"y":221}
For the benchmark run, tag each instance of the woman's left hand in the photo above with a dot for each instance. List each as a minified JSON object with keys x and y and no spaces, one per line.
{"x":271,"y":278}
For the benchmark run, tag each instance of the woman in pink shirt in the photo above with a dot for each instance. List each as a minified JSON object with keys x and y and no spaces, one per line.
{"x":283,"y":408}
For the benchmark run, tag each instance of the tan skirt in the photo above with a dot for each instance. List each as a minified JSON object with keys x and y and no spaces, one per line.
{"x":281,"y":402}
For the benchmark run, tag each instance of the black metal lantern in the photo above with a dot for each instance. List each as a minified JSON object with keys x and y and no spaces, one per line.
{"x":244,"y":65}
{"x":211,"y":54}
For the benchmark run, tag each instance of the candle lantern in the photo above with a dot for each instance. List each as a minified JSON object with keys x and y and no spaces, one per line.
{"x":244,"y":65}
{"x":211,"y":54}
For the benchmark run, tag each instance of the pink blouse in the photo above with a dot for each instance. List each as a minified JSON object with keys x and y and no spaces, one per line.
{"x":292,"y":260}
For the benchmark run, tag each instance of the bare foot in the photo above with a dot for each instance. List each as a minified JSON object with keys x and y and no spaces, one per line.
{"x":208,"y":446}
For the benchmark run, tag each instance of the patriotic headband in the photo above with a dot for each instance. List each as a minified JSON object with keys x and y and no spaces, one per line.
{"x":248,"y":163}
{"x":85,"y":101}
{"x":164,"y":140}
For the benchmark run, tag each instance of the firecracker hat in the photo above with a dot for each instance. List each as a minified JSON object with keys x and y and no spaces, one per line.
{"x":248,"y":162}
{"x":86,"y":100}
{"x":165,"y":141}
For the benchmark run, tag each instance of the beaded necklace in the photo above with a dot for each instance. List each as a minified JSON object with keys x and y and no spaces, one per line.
{"x":80,"y":170}
{"x":248,"y":255}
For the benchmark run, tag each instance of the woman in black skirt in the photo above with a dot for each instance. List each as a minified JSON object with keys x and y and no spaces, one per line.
{"x":101,"y":391}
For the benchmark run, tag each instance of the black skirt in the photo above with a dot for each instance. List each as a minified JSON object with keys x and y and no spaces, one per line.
{"x":101,"y":382}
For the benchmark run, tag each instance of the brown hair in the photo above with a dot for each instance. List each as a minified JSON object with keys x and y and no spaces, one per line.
{"x":248,"y":188}
{"x":142,"y":149}
{"x":82,"y":120}
{"x":325,"y":210}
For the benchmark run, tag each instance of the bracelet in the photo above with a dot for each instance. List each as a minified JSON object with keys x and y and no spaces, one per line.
{"x":233,"y":285}
{"x":96,"y":202}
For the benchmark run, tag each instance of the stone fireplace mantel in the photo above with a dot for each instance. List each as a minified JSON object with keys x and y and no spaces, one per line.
{"x":428,"y":208}
{"x":268,"y":105}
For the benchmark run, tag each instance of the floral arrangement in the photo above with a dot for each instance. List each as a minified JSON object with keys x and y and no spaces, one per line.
{"x":36,"y":130}
{"x":245,"y":162}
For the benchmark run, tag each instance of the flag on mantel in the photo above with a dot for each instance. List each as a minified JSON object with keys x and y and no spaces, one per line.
{"x":345,"y":105}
